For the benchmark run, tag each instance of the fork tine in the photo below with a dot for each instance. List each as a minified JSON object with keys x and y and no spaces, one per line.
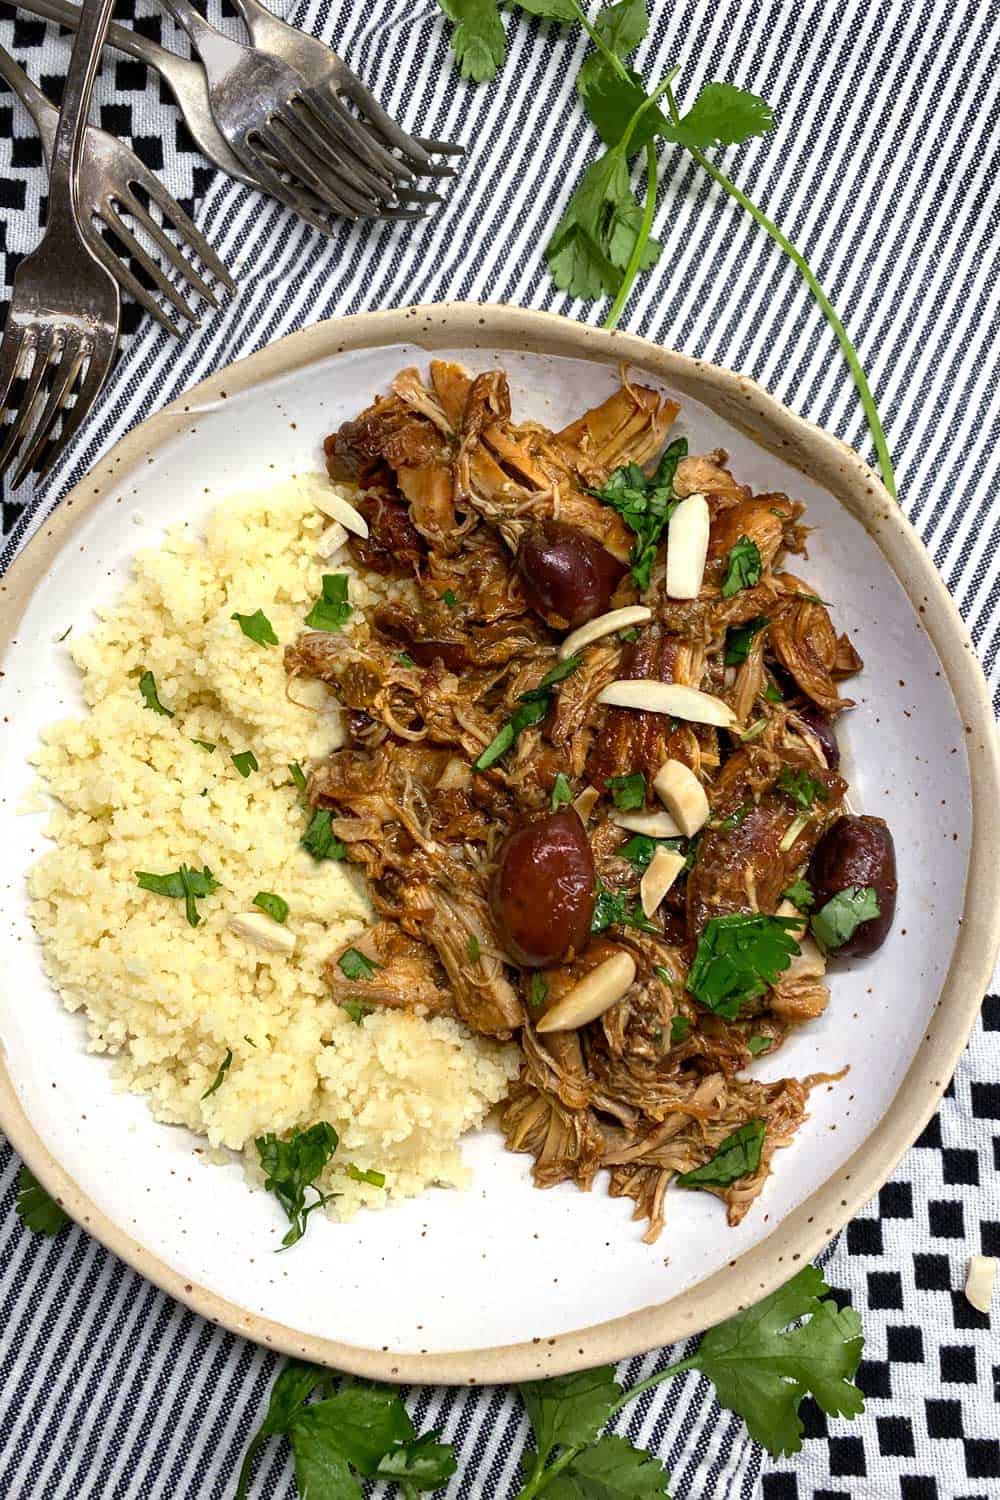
{"x":333,"y":174}
{"x":381,"y":122}
{"x":129,"y":283}
{"x":325,"y":104}
{"x":63,"y":378}
{"x":442,"y":148}
{"x":10,"y":359}
{"x":300,"y":201}
{"x":98,"y":369}
{"x":175,"y":215}
{"x":130,"y":203}
{"x":22,"y":417}
{"x":296,"y":158}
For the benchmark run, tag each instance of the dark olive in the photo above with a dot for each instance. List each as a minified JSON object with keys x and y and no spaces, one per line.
{"x":543,"y":890}
{"x":855,"y":852}
{"x":568,"y":576}
{"x":820,"y":726}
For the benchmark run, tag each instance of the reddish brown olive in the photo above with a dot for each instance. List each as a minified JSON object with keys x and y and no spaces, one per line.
{"x":568,"y":576}
{"x":820,"y":726}
{"x":856,"y":852}
{"x":543,"y":890}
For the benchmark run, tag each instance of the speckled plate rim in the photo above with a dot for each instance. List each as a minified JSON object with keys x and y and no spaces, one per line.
{"x":802,"y":1233}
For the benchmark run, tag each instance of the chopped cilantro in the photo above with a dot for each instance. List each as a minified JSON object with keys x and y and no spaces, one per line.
{"x":220,"y":1075}
{"x":679,"y":1028}
{"x":448,"y":597}
{"x":843,"y":914}
{"x":740,"y":637}
{"x":147,"y":687}
{"x":376,"y":1179}
{"x":613,"y":909}
{"x":257,"y":627}
{"x":802,"y":788}
{"x":771,"y":693}
{"x":183,"y":884}
{"x":737,"y":957}
{"x":275,"y":906}
{"x":522,"y":718}
{"x":297,"y":774}
{"x":628,"y":792}
{"x":630,"y":636}
{"x":558,"y":673}
{"x":354,"y":964}
{"x":331,"y":610}
{"x":537,"y":990}
{"x":800,"y":894}
{"x":640,"y":848}
{"x":36,"y":1208}
{"x":319,"y":837}
{"x":733,"y":819}
{"x":738,"y":1156}
{"x":645,"y":505}
{"x":245,"y":761}
{"x":562,"y":792}
{"x":743,"y":567}
{"x":205,"y":745}
{"x":292,"y":1166}
{"x":404,"y":659}
{"x":758,"y":1044}
{"x":357,"y":1009}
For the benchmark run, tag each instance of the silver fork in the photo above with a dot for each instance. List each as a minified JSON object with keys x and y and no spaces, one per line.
{"x":109,"y":172}
{"x":65,"y":306}
{"x":289,"y":134}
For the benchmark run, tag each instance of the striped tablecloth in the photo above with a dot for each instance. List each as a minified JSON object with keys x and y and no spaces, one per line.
{"x":884,"y":170}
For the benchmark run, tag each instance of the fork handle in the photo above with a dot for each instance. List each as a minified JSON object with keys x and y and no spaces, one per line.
{"x":212,"y":46}
{"x":83,"y":65}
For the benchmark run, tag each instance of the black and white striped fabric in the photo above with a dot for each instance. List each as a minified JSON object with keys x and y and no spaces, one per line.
{"x":884,"y":170}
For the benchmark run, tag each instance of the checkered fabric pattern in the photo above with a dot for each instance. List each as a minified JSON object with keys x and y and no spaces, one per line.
{"x":884,"y":170}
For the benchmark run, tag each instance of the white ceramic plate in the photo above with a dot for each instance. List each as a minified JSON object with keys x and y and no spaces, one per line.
{"x":497,"y":1282}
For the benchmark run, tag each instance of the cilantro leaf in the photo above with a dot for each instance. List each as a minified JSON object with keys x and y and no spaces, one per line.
{"x":420,"y":1464}
{"x":245,"y":761}
{"x":562,"y":792}
{"x":800,"y":894}
{"x":758,"y":1044}
{"x":722,"y":115}
{"x":297,"y":774}
{"x":628,"y":792}
{"x":612,"y":96}
{"x":558,"y":673}
{"x":537,"y":990}
{"x":147,"y":687}
{"x":738,"y":1156}
{"x":640,"y":848}
{"x":612,"y":1470}
{"x":275,"y":906}
{"x":737,"y":957}
{"x":36,"y":1208}
{"x":319,"y":837}
{"x":762,"y":1366}
{"x":205,"y":745}
{"x":183,"y":884}
{"x":357,"y":1009}
{"x":331,"y":610}
{"x":356,"y":1174}
{"x":614,"y":909}
{"x":526,"y":714}
{"x":354,"y":964}
{"x":292,"y":1166}
{"x":739,"y":638}
{"x":743,"y":567}
{"x":679,"y":1028}
{"x":549,"y":10}
{"x":478,"y":40}
{"x":360,"y":1424}
{"x":645,"y":505}
{"x":802,"y":788}
{"x":257,"y":627}
{"x":594,"y":240}
{"x":473,"y":948}
{"x":843,"y":914}
{"x":224,"y":1067}
{"x":570,"y":1410}
{"x":450,"y":598}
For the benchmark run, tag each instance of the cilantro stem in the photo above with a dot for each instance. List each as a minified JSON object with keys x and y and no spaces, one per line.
{"x":645,"y":229}
{"x":826,"y":307}
{"x":246,"y":1468}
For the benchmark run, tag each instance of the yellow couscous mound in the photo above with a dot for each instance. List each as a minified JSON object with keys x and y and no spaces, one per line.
{"x":136,"y":792}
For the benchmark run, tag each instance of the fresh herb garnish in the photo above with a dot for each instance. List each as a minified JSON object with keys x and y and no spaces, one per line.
{"x":771,"y":693}
{"x":354,"y":964}
{"x":743,"y":567}
{"x":151,"y":698}
{"x":275,"y":906}
{"x":220,"y":1075}
{"x":297,"y":774}
{"x":758,"y":1044}
{"x":449,"y":598}
{"x":205,"y":745}
{"x":802,"y":788}
{"x":523,"y":717}
{"x":753,"y":731}
{"x":319,"y":837}
{"x":628,"y":792}
{"x":35,"y":1206}
{"x":245,"y":761}
{"x":640,"y":848}
{"x":258,"y":627}
{"x":357,"y":1009}
{"x":629,"y":636}
{"x":537,"y":990}
{"x":740,"y":637}
{"x":183,"y":884}
{"x":473,"y":947}
{"x":645,"y":505}
{"x":361,"y":1427}
{"x":843,"y":914}
{"x":562,"y":792}
{"x":558,"y":673}
{"x":331,"y":610}
{"x":614,"y":909}
{"x":291,"y":1167}
{"x":679,"y":1028}
{"x":800,"y":894}
{"x":737,"y":957}
{"x":375,"y":1179}
{"x":662,"y":972}
{"x":404,"y":659}
{"x":734,"y":819}
{"x":738,"y":1156}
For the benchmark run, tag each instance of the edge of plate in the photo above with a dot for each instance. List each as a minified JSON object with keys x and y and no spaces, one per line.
{"x":799,"y":1237}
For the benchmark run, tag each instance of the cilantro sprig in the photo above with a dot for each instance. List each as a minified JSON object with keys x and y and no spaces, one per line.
{"x":185,"y":885}
{"x":291,"y":1167}
{"x":645,"y":505}
{"x":256,"y":627}
{"x":800,"y":787}
{"x":737,"y":957}
{"x":614,"y":909}
{"x":331,"y":610}
{"x":738,"y":1155}
{"x":531,"y":709}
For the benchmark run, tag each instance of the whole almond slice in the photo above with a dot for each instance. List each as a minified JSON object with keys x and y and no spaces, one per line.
{"x":615,"y":619}
{"x":789,"y":909}
{"x":979,"y":1281}
{"x":335,"y":505}
{"x":584,"y":803}
{"x":669,"y":698}
{"x":661,"y":872}
{"x":683,"y":795}
{"x":656,"y":825}
{"x":687,"y":547}
{"x":331,"y":540}
{"x":594,"y":994}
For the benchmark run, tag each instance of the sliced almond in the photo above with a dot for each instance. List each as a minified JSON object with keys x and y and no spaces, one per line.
{"x":615,"y":619}
{"x":331,"y":540}
{"x":584,"y":804}
{"x":657,"y":825}
{"x":669,"y":698}
{"x":788,"y":909}
{"x":263,"y":930}
{"x":683,"y":795}
{"x":595,"y":993}
{"x":335,"y":505}
{"x":979,"y":1281}
{"x":687,"y":547}
{"x":808,"y":963}
{"x":661,"y":872}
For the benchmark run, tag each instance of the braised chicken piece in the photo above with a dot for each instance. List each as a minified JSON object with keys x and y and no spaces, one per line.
{"x":599,"y":817}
